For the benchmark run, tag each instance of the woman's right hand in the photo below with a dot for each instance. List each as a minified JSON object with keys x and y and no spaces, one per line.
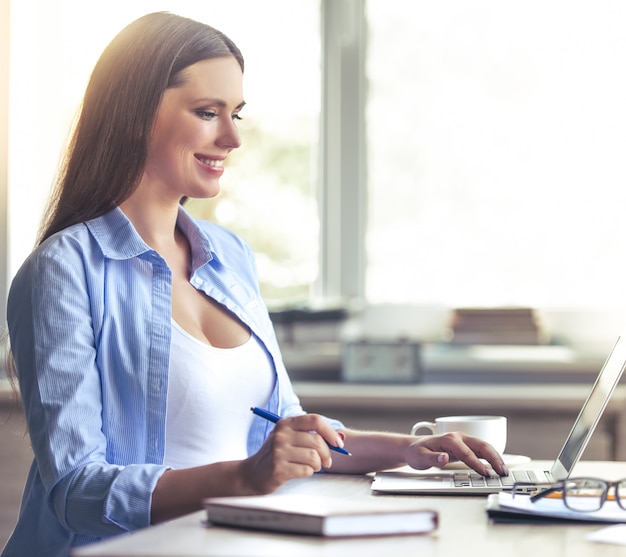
{"x":296,"y":448}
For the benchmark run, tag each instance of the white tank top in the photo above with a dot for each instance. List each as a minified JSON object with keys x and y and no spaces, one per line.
{"x":210,"y":392}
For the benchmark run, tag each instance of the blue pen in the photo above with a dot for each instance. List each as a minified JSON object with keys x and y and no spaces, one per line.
{"x":274,"y":418}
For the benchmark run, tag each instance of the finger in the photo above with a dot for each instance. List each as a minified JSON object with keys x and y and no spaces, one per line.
{"x":455,"y":446}
{"x":275,"y":463}
{"x":302,"y":446}
{"x":316,"y":423}
{"x":470,"y":450}
{"x":487,"y":452}
{"x":313,"y":450}
{"x":426,"y":452}
{"x":439,"y":450}
{"x":268,"y":469}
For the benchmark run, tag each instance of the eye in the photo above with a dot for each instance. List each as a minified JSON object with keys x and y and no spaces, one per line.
{"x":236,"y":117}
{"x":206,"y":114}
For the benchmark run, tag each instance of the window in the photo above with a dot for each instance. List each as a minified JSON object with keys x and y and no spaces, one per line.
{"x":495,"y":133}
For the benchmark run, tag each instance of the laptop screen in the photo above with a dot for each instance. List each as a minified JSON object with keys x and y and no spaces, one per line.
{"x":592,"y":410}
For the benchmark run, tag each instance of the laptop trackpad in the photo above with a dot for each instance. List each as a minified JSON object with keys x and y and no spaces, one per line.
{"x":399,"y":482}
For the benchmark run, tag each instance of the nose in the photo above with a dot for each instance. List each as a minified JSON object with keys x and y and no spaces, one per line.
{"x":229,"y":137}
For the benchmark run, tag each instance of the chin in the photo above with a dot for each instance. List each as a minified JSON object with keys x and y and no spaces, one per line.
{"x":205,"y":193}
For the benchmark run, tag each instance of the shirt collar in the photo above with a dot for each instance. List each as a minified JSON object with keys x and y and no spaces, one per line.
{"x":118,"y":239}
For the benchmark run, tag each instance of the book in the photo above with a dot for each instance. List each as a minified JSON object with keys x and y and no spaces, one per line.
{"x":500,"y":326}
{"x":503,"y":507}
{"x":319,"y":515}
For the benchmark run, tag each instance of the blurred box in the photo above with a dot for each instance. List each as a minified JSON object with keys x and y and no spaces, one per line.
{"x":382,"y":361}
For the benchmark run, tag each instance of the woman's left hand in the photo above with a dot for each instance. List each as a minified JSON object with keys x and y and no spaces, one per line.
{"x":438,"y":450}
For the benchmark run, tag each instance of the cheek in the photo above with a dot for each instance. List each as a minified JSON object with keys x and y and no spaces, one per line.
{"x":167,"y":145}
{"x":193,"y":135}
{"x":180,"y":140}
{"x":177,"y":138}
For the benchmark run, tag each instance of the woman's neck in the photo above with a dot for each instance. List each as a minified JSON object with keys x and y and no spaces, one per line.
{"x":155,"y":222}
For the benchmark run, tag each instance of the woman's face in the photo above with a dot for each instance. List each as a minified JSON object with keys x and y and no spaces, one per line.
{"x":195,"y":130}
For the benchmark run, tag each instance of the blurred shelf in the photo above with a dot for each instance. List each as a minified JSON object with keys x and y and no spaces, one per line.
{"x":444,"y":363}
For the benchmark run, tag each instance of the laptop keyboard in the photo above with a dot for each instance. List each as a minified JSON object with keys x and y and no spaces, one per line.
{"x":473,"y":479}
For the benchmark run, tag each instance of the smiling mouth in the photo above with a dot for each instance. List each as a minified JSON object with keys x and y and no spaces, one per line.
{"x":210,"y":162}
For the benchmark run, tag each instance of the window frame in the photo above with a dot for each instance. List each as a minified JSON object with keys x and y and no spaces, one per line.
{"x":342,"y":188}
{"x":4,"y":154}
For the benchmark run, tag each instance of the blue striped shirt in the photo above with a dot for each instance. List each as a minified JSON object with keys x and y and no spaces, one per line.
{"x":89,"y":316}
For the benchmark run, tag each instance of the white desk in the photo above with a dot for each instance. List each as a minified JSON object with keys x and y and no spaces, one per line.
{"x":464,"y":531}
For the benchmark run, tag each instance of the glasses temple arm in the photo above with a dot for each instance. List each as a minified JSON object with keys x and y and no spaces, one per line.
{"x":545,"y":493}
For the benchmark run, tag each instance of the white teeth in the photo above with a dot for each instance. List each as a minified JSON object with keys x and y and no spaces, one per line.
{"x":211,"y":162}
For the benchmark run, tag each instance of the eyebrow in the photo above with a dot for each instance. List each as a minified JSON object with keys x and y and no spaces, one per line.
{"x":218,"y":102}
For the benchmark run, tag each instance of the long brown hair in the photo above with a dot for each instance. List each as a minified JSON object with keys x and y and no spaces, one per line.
{"x":108,"y":148}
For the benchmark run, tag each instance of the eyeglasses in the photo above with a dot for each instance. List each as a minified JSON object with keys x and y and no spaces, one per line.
{"x":579,"y":494}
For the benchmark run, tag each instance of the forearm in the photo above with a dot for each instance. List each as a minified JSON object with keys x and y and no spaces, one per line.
{"x":371,"y":451}
{"x":180,"y":492}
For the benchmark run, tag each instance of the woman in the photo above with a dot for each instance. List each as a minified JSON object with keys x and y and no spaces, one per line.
{"x":139,"y":335}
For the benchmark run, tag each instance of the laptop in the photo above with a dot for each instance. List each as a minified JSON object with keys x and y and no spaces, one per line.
{"x":459,"y":482}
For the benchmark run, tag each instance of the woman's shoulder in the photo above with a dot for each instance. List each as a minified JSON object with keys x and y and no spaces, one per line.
{"x":63,"y":250}
{"x":62,"y":243}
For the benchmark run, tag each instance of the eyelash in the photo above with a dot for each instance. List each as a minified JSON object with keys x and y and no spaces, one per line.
{"x":209,"y":115}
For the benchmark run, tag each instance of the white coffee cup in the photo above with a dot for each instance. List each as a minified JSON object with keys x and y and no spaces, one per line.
{"x":488,"y":428}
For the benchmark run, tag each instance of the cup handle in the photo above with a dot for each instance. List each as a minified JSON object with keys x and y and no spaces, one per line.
{"x":423,"y":425}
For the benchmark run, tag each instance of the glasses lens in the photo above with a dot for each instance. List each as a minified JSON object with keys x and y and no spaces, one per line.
{"x":584,"y":494}
{"x":620,"y":493}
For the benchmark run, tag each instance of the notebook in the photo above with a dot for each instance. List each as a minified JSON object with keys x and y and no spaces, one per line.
{"x":468,"y":482}
{"x":319,"y":515}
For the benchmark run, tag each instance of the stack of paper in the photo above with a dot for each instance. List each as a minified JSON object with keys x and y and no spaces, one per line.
{"x":503,"y":507}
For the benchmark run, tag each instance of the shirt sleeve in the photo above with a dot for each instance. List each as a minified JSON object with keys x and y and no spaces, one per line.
{"x":53,"y":341}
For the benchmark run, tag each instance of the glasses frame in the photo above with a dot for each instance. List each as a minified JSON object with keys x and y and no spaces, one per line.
{"x":561,"y":485}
